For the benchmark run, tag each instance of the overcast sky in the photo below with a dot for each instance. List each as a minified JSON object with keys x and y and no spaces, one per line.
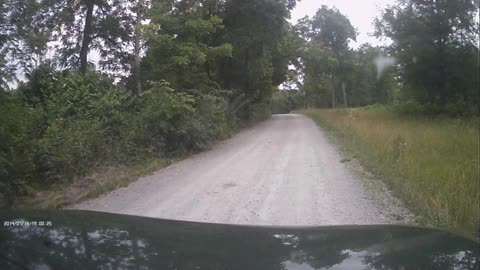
{"x":360,"y":13}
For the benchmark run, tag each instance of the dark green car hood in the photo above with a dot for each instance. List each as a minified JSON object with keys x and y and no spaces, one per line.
{"x":94,"y":240}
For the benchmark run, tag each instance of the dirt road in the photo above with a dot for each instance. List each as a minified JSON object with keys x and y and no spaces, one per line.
{"x":280,"y":172}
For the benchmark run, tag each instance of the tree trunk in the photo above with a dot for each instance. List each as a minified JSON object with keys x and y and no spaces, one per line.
{"x":138,"y":23}
{"x":87,"y":36}
{"x":344,"y":90}
{"x":246,"y":63}
{"x":333,"y":91}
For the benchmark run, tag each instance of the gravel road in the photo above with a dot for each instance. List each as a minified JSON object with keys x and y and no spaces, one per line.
{"x":280,"y":172}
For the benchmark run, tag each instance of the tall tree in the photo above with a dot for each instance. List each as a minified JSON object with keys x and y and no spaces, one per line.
{"x":319,"y":67}
{"x":256,"y":29}
{"x":331,"y":30}
{"x":436,"y":44}
{"x":140,"y":10}
{"x":24,"y":34}
{"x":83,"y":26}
{"x":182,"y":49}
{"x":370,"y":80}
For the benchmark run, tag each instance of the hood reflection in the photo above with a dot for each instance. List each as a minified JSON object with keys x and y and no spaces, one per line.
{"x":90,"y":240}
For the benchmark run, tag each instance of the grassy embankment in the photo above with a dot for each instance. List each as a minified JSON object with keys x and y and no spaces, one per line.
{"x":83,"y":188}
{"x":430,"y":163}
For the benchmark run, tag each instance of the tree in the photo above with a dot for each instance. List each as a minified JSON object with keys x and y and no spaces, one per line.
{"x":332,"y":31}
{"x":83,"y":26}
{"x":369,"y":82}
{"x":435,"y":43}
{"x":24,"y":33}
{"x":182,"y":49}
{"x":137,"y":45}
{"x":239,"y":50}
{"x":319,"y":67}
{"x":256,"y":29}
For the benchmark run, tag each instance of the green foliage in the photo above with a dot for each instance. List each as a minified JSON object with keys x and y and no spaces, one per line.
{"x":63,"y":125}
{"x":285,"y":101}
{"x":208,"y":66}
{"x":17,"y":123}
{"x":182,"y":123}
{"x":262,"y":50}
{"x":329,"y":29}
{"x":436,"y":45}
{"x":328,"y":62}
{"x":433,"y":59}
{"x":164,"y":118}
{"x":24,"y":33}
{"x":368,"y":84}
{"x":76,"y":96}
{"x":333,"y":72}
{"x":319,"y":68}
{"x":84,"y":26}
{"x":83,"y":116}
{"x":181,"y":50}
{"x":209,"y":46}
{"x":71,"y":148}
{"x":453,"y":109}
{"x":412,"y":107}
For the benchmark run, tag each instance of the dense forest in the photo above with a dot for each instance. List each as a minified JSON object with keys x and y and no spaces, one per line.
{"x":90,"y":83}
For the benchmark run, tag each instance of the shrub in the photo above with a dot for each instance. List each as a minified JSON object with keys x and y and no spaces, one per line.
{"x":259,"y":111}
{"x":84,"y":118}
{"x":88,"y":97}
{"x":210,"y":119}
{"x":284,"y":101}
{"x":63,"y":125}
{"x":454,"y":109}
{"x":280,"y":103}
{"x":17,"y":121}
{"x":162,"y":112}
{"x":461,"y":109}
{"x":174,"y":122}
{"x":71,"y":148}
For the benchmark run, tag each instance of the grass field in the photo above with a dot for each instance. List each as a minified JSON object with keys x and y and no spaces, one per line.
{"x":430,"y":163}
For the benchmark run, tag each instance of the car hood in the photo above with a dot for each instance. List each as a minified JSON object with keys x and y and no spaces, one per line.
{"x":72,"y":239}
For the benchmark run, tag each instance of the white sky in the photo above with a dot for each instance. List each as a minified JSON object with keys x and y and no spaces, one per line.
{"x":360,"y":13}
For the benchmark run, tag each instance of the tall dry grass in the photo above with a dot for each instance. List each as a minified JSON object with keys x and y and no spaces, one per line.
{"x":431,"y":163}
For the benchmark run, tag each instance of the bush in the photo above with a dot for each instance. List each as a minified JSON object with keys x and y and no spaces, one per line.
{"x":163,"y":114}
{"x":210,"y":120}
{"x":455,"y":109}
{"x":84,"y":97}
{"x":461,"y":109}
{"x":259,"y":111}
{"x":63,"y":125}
{"x":285,"y":101}
{"x":17,"y":122}
{"x":71,"y":148}
{"x":280,"y":103}
{"x":176,"y":123}
{"x":84,"y":117}
{"x":412,"y":107}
